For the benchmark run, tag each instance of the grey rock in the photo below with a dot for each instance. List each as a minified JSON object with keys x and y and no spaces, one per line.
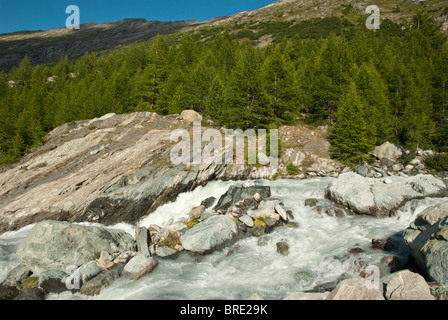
{"x":264,"y":210}
{"x":164,"y":252}
{"x":248,"y":221}
{"x":8,"y":292}
{"x":53,"y":245}
{"x":31,"y":294}
{"x":407,"y":285}
{"x":196,"y":212}
{"x":139,"y":266}
{"x":388,"y":151}
{"x":143,"y":240}
{"x":190,"y":115}
{"x":88,"y":271}
{"x":52,"y":281}
{"x":282,"y":212}
{"x":207,"y":203}
{"x":211,"y":234}
{"x":16,"y":275}
{"x":237,"y":193}
{"x":427,"y":237}
{"x":373,"y":197}
{"x":128,"y":180}
{"x":355,"y":289}
{"x":282,"y":248}
{"x":102,"y":280}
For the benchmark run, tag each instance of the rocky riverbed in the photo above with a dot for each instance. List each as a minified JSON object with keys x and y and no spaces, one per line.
{"x":253,"y":239}
{"x":99,"y":211}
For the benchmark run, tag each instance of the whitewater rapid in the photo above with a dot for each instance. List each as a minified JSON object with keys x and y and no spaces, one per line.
{"x":318,"y":254}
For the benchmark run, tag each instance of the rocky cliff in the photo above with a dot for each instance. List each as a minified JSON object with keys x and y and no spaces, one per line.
{"x":117,"y":168}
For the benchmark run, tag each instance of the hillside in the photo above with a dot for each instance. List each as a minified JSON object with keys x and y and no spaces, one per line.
{"x":283,"y":18}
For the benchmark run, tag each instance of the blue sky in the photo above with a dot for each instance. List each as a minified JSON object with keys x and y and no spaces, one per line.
{"x":18,"y":15}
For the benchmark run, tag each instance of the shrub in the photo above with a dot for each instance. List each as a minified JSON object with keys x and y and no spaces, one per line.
{"x":292,"y":169}
{"x":437,"y":161}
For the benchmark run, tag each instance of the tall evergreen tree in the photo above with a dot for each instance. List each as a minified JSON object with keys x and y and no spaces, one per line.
{"x":349,"y":135}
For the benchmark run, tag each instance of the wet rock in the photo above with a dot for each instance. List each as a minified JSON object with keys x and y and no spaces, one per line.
{"x":8,"y":292}
{"x":310,"y":202}
{"x":207,"y":203}
{"x":139,"y":266}
{"x":282,"y":248}
{"x":105,"y":261}
{"x":31,"y":294}
{"x":54,"y":245}
{"x":427,"y":237}
{"x":211,"y":234}
{"x":264,"y":210}
{"x":282,"y":212}
{"x":248,"y":221}
{"x":237,"y":193}
{"x":143,"y":240}
{"x":373,"y":197}
{"x":15,"y":276}
{"x":258,"y":231}
{"x":164,"y":252}
{"x":407,"y":285}
{"x":52,"y":281}
{"x":196,"y":212}
{"x":102,"y":280}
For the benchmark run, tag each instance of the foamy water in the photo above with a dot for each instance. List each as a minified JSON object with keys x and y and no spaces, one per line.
{"x":318,"y":251}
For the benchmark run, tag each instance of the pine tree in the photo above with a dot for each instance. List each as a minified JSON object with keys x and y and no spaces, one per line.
{"x":280,"y":84}
{"x":349,"y":135}
{"x":378,"y":112}
{"x":246,"y":103}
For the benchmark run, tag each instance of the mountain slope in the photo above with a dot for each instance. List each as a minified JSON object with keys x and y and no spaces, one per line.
{"x":307,"y":18}
{"x":48,"y":46}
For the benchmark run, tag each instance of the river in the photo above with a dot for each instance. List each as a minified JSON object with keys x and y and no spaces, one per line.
{"x":318,"y":250}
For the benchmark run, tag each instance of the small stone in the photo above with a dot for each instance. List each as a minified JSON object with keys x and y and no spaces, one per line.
{"x":258,"y":231}
{"x":282,"y":212}
{"x":165,"y":252}
{"x":248,"y":221}
{"x":196,"y":213}
{"x":105,"y":261}
{"x":139,"y":266}
{"x":310,"y":202}
{"x":282,"y":248}
{"x":379,"y":244}
{"x":257,"y":197}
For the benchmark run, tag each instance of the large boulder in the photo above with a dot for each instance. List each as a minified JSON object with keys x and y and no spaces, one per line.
{"x":407,"y":285}
{"x":55,"y":245}
{"x":210,"y":234}
{"x":190,"y":115}
{"x":388,"y":151}
{"x":427,"y":237}
{"x":237,"y":193}
{"x":382,"y":197}
{"x":355,"y":289}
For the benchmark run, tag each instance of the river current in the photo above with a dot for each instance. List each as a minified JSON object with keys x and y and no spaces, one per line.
{"x":318,"y":250}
